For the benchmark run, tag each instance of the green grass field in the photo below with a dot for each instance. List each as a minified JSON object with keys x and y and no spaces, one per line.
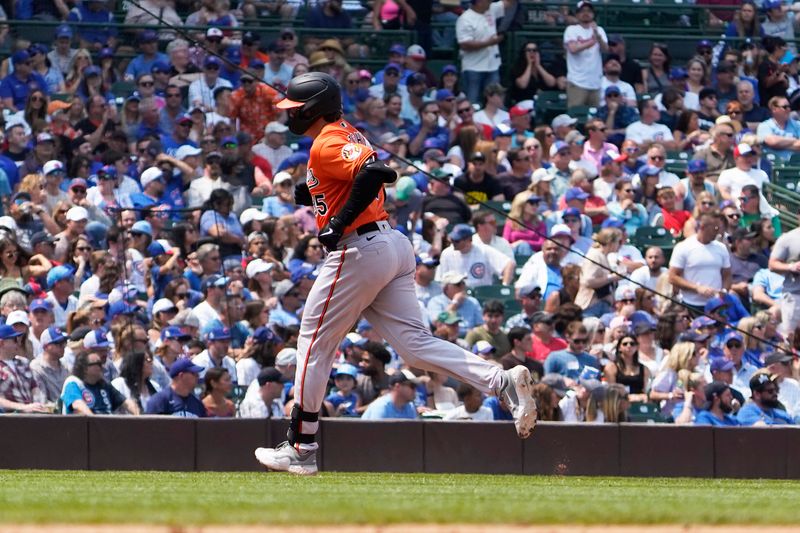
{"x":331,"y":498}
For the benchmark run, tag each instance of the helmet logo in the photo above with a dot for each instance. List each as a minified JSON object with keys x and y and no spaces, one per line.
{"x":351,"y":152}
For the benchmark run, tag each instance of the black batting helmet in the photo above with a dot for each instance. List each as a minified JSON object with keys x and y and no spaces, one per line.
{"x":310,"y":96}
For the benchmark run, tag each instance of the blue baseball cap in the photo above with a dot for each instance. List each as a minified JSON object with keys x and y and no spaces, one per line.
{"x":612,"y":222}
{"x":212,"y":60}
{"x":571,"y":212}
{"x":121,"y":307}
{"x":155,"y":248}
{"x":107,"y":170}
{"x":702,"y":322}
{"x":40,"y":304}
{"x":219,"y":334}
{"x":460,"y":232}
{"x":52,"y":335}
{"x":502,"y":130}
{"x":59,"y":273}
{"x":444,"y":94}
{"x":363,"y":325}
{"x":451,"y":69}
{"x":160,"y":66}
{"x":304,"y":272}
{"x":96,"y":339}
{"x":696,"y":165}
{"x":8,"y":332}
{"x":392,"y":66}
{"x":714,"y":304}
{"x":64,"y":31}
{"x":397,"y":48}
{"x":720,"y":364}
{"x":184,"y":364}
{"x":20,"y":56}
{"x":174,"y":332}
{"x":575,"y":193}
{"x":612,"y":89}
{"x":772,"y":4}
{"x":425,"y":259}
{"x":255,"y":63}
{"x":346,"y":370}
{"x":678,"y":73}
{"x":105,"y":53}
{"x":733,"y":336}
{"x":649,"y":170}
{"x":214,"y":280}
{"x":142,"y":226}
{"x":264,"y":334}
{"x":148,"y":36}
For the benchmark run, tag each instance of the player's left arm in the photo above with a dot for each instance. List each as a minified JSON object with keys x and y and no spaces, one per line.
{"x":367,"y":183}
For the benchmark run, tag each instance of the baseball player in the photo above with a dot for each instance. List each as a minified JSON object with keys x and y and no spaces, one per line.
{"x":369,"y":271}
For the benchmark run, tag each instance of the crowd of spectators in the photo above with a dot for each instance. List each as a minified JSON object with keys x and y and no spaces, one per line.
{"x":152,"y":258}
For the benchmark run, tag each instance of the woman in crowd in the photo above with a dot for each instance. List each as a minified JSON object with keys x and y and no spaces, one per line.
{"x":656,"y":75}
{"x":79,"y":256}
{"x":278,"y":237}
{"x":260,"y":350}
{"x":547,"y":401}
{"x":765,"y":237}
{"x":540,"y":184}
{"x":524,"y":229}
{"x":36,"y":111}
{"x":529,"y":75}
{"x":705,"y":202}
{"x":17,"y":265}
{"x":745,"y":22}
{"x":179,"y":292}
{"x":627,"y":370}
{"x":697,"y":70}
{"x":463,"y":146}
{"x":754,"y":332}
{"x":650,"y":353}
{"x":597,"y":281}
{"x":687,"y":132}
{"x":218,"y":385}
{"x":134,"y":381}
{"x":666,"y":387}
{"x":308,"y":253}
{"x":256,"y":314}
{"x":41,"y":65}
{"x":546,"y":137}
{"x":394,"y":104}
{"x":450,"y":80}
{"x":74,"y":75}
{"x":667,"y":216}
{"x":218,"y":221}
{"x":185,"y":237}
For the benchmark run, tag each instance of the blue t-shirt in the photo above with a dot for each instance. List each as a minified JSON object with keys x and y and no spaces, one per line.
{"x":554,"y":282}
{"x":239,"y":332}
{"x":337,"y":399}
{"x":275,"y":207}
{"x":18,"y":90}
{"x":229,"y":224}
{"x":101,"y":398}
{"x":568,"y":364}
{"x":499,"y":413}
{"x":167,"y":402}
{"x":750,"y":413}
{"x":383,"y":408}
{"x":707,"y":418}
{"x":94,"y":34}
{"x":141,"y":65}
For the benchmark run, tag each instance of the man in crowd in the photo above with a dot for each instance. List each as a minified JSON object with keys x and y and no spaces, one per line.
{"x":178,"y":399}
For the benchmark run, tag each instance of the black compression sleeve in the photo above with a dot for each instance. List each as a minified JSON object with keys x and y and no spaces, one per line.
{"x":366,"y":186}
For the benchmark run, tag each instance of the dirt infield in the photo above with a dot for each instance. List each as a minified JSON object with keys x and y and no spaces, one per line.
{"x":400,"y":528}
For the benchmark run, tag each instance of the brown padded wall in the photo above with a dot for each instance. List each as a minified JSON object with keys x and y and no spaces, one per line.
{"x":142,"y":443}
{"x":355,"y":446}
{"x":227,"y":445}
{"x":472,"y":447}
{"x":665,"y":450}
{"x":167,"y":443}
{"x":751,"y":452}
{"x":572,"y":450}
{"x":50,"y":442}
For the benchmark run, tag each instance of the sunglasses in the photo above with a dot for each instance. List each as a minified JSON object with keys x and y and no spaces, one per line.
{"x":629,"y":343}
{"x":212,"y":67}
{"x":84,"y":248}
{"x":734,"y":112}
{"x":707,"y":204}
{"x":531,"y":49}
{"x":785,"y":106}
{"x":613,"y":95}
{"x":627,"y":191}
{"x":96,"y":363}
{"x":146,"y":83}
{"x":391,"y":73}
{"x":657,"y":157}
{"x":78,"y":190}
{"x":173,"y":95}
{"x":247,"y":81}
{"x":734,"y":216}
{"x":464,"y":110}
{"x":582,"y":340}
{"x":734,"y":345}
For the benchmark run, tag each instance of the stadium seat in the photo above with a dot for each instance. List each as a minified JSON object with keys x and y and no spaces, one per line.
{"x":645,"y":412}
{"x":487,"y":292}
{"x":648,"y":236}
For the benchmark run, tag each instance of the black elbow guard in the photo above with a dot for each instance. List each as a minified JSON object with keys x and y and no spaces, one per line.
{"x":379,"y":170}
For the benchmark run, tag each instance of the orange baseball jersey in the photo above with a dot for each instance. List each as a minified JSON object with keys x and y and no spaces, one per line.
{"x":338,"y":153}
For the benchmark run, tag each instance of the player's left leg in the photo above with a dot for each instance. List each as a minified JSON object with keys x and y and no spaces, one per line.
{"x":395,"y":315}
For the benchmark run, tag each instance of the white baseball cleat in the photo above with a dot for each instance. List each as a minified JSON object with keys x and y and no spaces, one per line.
{"x":518,"y":394}
{"x":285,"y":458}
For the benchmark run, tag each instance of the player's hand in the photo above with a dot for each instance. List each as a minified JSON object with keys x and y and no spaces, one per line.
{"x":329,"y":235}
{"x":302,"y":196}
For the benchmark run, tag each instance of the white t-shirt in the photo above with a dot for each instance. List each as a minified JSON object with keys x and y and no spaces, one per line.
{"x":204,"y":359}
{"x":690,"y":101}
{"x":584,"y":69}
{"x":639,"y":132}
{"x":480,"y":264}
{"x":247,"y":370}
{"x":625,"y":89}
{"x":122,"y":387}
{"x":498,"y":243}
{"x":733,"y":179}
{"x":500,"y":117}
{"x":702,"y":264}
{"x":60,"y":314}
{"x":474,"y":26}
{"x":642,"y":275}
{"x":460,"y":413}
